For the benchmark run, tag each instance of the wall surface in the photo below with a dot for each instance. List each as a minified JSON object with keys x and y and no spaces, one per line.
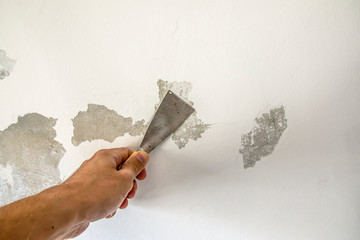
{"x":272,"y":152}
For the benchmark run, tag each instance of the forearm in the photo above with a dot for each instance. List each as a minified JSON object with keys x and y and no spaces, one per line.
{"x":47,"y":215}
{"x":96,"y":190}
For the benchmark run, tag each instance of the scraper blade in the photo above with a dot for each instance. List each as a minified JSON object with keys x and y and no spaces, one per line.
{"x":171,"y":114}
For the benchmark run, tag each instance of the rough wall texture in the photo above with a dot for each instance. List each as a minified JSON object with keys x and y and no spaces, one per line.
{"x":99,"y":122}
{"x":6,"y":65}
{"x":193,"y":127}
{"x":263,"y":138}
{"x":29,"y":157}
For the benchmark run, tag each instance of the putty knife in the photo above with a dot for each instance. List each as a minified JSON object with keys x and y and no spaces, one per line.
{"x":171,"y":114}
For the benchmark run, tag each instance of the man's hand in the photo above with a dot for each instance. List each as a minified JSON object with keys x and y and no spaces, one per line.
{"x":102,"y":188}
{"x":96,"y":190}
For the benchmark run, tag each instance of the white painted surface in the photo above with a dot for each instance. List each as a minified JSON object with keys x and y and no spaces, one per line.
{"x":242,"y":57}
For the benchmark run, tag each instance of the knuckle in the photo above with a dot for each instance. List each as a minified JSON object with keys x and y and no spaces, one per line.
{"x":135,"y":166}
{"x":101,"y":153}
{"x":127,"y":175}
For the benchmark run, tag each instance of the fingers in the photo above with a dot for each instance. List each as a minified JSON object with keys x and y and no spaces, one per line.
{"x":142,"y":175}
{"x":134,"y":164}
{"x":132,"y":192}
{"x":130,"y":195}
{"x":111,"y":215}
{"x":124,"y":204}
{"x":125,"y":152}
{"x":120,"y":154}
{"x":117,"y":155}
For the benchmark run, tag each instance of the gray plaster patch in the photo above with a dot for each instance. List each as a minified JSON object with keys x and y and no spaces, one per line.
{"x":263,"y":138}
{"x":193,"y":127}
{"x":29,"y":157}
{"x":6,"y":65}
{"x":99,"y":122}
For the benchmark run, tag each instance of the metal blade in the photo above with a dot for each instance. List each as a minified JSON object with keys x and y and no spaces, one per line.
{"x":171,"y":114}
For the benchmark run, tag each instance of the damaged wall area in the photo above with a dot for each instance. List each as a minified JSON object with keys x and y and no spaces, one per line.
{"x":99,"y":122}
{"x":263,"y":138}
{"x":193,"y":127}
{"x":6,"y":65}
{"x":29,"y":157}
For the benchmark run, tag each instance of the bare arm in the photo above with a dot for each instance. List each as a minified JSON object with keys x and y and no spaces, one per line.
{"x":93,"y":192}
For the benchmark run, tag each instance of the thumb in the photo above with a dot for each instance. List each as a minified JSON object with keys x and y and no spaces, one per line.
{"x":135,"y":163}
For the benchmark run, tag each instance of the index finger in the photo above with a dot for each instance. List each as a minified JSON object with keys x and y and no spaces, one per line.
{"x":120,"y":154}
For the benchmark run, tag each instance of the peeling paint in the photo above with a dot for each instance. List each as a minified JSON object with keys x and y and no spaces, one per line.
{"x":6,"y":65}
{"x":139,"y":128}
{"x":29,"y":157}
{"x":99,"y":122}
{"x":193,"y":127}
{"x":6,"y":174}
{"x":263,"y":138}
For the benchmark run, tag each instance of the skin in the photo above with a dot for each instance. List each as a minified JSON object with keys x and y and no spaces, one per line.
{"x":95,"y":191}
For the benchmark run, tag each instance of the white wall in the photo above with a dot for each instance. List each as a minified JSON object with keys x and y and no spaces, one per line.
{"x":242,"y":58}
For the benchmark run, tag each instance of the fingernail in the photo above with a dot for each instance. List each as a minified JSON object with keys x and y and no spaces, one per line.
{"x":111,"y":215}
{"x":141,"y":158}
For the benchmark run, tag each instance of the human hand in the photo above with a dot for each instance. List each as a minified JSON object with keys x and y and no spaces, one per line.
{"x":101,"y":189}
{"x":93,"y":192}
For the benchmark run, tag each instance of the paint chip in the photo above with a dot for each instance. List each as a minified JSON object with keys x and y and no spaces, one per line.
{"x":193,"y":127}
{"x":29,"y":157}
{"x":263,"y":138}
{"x":99,"y":122}
{"x":6,"y":65}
